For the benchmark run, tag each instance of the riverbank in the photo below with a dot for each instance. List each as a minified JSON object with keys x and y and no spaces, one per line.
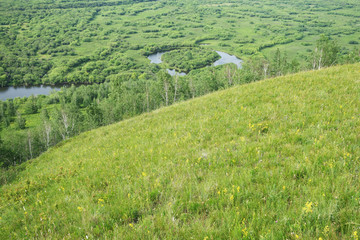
{"x":225,"y":58}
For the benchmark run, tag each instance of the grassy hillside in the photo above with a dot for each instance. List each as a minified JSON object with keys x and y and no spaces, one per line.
{"x":276,"y":159}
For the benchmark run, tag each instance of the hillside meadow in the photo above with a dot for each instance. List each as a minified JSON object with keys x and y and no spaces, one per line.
{"x":275,"y":159}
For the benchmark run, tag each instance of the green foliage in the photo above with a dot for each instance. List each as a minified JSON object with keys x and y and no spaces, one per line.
{"x":276,"y":159}
{"x":128,"y":94}
{"x":86,"y":41}
{"x":11,"y":111}
{"x":185,"y":60}
{"x":94,"y":116}
{"x":20,"y":121}
{"x":326,"y":53}
{"x":353,"y":56}
{"x":30,"y":107}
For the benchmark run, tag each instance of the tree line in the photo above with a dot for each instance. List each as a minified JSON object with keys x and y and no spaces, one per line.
{"x":76,"y":109}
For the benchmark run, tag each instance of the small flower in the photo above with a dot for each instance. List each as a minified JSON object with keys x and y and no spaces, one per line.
{"x":101,"y":202}
{"x":131,"y":225}
{"x":326,"y":230}
{"x":355,"y":235}
{"x":308,"y":207}
{"x":80,"y":209}
{"x":245,"y":232}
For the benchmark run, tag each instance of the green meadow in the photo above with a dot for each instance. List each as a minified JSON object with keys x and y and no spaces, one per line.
{"x":274,"y":159}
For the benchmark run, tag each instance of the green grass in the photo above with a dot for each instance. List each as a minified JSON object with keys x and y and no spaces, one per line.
{"x":276,"y":159}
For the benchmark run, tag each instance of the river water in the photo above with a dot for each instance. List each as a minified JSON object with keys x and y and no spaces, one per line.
{"x":227,"y":58}
{"x":156,"y":58}
{"x":224,"y":59}
{"x":13,"y":92}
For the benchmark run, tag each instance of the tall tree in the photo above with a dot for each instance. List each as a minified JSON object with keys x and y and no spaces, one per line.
{"x":165,"y":78}
{"x":11,"y":111}
{"x":325,"y":53}
{"x":20,"y":121}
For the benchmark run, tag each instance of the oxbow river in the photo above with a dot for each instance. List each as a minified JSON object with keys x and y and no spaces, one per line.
{"x":13,"y":92}
{"x":224,"y":59}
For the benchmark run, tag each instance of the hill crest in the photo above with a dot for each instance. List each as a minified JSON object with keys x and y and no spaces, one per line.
{"x":276,"y":159}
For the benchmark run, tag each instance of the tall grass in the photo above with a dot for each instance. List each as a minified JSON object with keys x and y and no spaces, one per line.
{"x":276,"y":159}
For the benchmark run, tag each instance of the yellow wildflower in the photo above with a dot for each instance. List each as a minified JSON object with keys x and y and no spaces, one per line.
{"x":308,"y":207}
{"x":245,"y":232}
{"x":101,"y":201}
{"x":326,"y":230}
{"x":355,"y":235}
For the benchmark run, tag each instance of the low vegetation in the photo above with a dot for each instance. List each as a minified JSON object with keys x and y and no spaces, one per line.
{"x":185,"y":60}
{"x":53,"y":42}
{"x":276,"y":159}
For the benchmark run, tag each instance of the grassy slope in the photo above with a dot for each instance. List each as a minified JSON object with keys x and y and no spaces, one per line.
{"x":277,"y":159}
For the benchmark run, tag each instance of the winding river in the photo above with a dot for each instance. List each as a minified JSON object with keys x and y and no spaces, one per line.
{"x":13,"y":92}
{"x":224,"y":59}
